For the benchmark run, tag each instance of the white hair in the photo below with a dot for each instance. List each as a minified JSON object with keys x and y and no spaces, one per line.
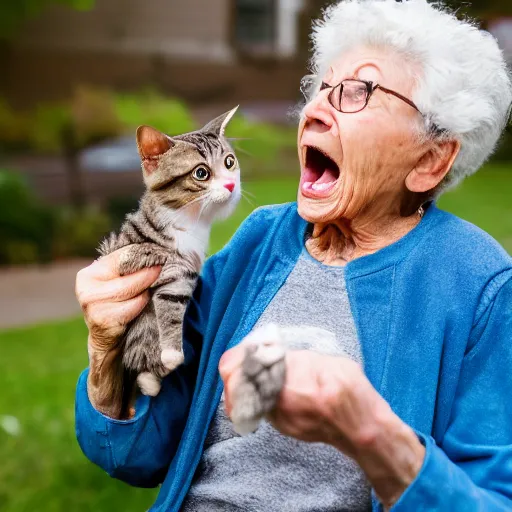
{"x":464,"y":86}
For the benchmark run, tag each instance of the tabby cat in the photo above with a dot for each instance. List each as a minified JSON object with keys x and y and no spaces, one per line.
{"x":190,"y":180}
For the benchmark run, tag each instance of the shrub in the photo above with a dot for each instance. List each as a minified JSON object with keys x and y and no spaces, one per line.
{"x":26,"y":226}
{"x":14,"y":128}
{"x":79,"y":232}
{"x":48,"y":122}
{"x":34,"y":233}
{"x":504,"y":151}
{"x":118,"y":207}
{"x":261,"y":141}
{"x":87,"y":118}
{"x":168,"y":115}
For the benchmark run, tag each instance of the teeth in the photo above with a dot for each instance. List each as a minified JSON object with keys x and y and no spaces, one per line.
{"x":307,"y":184}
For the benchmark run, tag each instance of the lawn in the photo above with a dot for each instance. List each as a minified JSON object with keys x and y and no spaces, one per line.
{"x":42,"y":468}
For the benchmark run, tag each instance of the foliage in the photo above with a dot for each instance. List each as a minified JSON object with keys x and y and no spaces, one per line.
{"x":14,"y":126}
{"x":262,"y":148}
{"x":482,"y":9}
{"x":79,"y":232}
{"x":47,"y":125}
{"x":34,"y":233}
{"x":504,"y":150}
{"x":95,"y":114}
{"x":118,"y":207}
{"x":12,"y":13}
{"x":168,"y":115}
{"x":26,"y":226}
{"x":89,"y":116}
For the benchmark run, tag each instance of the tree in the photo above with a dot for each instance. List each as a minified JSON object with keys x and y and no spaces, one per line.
{"x":13,"y":12}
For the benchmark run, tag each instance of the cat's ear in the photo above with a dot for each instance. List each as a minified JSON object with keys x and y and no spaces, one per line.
{"x":152,"y":143}
{"x":218,"y":125}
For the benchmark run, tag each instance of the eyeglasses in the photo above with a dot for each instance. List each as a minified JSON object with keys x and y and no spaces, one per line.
{"x":352,"y":96}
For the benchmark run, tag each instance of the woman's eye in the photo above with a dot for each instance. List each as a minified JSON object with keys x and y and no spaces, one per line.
{"x":201,"y":173}
{"x":323,"y":86}
{"x":229,"y":162}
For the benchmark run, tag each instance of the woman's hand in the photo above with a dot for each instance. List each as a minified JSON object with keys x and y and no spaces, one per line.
{"x":109,"y":303}
{"x":329,"y":399}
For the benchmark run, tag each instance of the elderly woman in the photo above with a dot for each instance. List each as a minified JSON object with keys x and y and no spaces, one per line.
{"x":410,"y":408}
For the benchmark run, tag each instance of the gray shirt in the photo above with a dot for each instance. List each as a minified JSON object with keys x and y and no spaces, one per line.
{"x":267,"y":471}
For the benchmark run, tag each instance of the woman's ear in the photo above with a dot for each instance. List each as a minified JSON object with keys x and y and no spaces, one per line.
{"x":433,"y":166}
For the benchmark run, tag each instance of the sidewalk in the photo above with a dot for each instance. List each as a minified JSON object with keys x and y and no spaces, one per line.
{"x":34,"y":294}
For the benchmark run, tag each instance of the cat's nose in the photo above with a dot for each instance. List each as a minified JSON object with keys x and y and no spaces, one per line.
{"x":230,"y":185}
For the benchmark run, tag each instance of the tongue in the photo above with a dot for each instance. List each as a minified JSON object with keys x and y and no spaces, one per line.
{"x":328,"y":176}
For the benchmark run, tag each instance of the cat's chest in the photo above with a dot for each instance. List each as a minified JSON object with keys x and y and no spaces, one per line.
{"x":191,"y":238}
{"x":187,"y":243}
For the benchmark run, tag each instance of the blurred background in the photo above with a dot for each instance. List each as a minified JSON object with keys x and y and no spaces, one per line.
{"x":78,"y":76}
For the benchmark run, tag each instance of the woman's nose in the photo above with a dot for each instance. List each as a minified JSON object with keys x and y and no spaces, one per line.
{"x":319,"y":110}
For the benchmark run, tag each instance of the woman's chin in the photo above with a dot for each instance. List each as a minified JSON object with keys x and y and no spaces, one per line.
{"x":314,"y":210}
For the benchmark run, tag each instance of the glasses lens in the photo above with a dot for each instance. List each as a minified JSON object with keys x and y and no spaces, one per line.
{"x":353,"y":96}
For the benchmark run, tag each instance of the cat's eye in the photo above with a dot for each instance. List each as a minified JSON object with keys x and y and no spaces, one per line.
{"x":201,"y":173}
{"x":229,"y":162}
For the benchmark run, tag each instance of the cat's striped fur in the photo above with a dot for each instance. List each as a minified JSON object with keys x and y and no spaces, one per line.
{"x":171,"y":228}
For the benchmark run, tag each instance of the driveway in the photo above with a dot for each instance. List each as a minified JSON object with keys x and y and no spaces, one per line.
{"x":36,"y":294}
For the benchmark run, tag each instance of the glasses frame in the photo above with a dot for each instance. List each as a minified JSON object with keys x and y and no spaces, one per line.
{"x":370,"y":89}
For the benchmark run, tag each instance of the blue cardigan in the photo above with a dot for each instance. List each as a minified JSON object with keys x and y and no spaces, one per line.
{"x":433,"y":313}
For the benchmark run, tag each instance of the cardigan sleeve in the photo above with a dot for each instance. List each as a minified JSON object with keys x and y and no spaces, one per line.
{"x":470,"y":469}
{"x":139,"y":451}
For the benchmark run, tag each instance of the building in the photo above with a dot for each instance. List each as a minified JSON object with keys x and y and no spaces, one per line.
{"x":201,"y":50}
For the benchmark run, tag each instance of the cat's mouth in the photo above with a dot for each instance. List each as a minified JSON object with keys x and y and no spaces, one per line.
{"x":319,"y":173}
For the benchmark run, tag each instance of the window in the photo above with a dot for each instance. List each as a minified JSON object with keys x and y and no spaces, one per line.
{"x":255,"y":26}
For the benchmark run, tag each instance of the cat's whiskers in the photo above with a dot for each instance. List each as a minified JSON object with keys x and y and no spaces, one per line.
{"x":250,"y":194}
{"x":174,"y":216}
{"x":244,"y":151}
{"x":206,"y":202}
{"x":247,"y":199}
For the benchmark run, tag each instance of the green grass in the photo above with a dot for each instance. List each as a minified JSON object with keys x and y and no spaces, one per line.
{"x":485,"y":199}
{"x":42,"y":468}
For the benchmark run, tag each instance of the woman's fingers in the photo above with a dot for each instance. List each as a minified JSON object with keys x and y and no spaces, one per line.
{"x":107,"y":267}
{"x":231,"y":360}
{"x":109,"y":301}
{"x":115,"y":315}
{"x":92,"y":285}
{"x":126,"y":287}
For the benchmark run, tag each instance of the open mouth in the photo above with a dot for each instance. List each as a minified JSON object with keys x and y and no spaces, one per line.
{"x":320,"y":173}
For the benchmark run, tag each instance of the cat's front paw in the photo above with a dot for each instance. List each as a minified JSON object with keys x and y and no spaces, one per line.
{"x":171,"y":358}
{"x":149,"y":384}
{"x":139,"y":256}
{"x":263,"y":375}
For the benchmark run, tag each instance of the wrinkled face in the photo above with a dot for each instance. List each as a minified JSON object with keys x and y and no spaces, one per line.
{"x":197,"y":170}
{"x":353,"y":164}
